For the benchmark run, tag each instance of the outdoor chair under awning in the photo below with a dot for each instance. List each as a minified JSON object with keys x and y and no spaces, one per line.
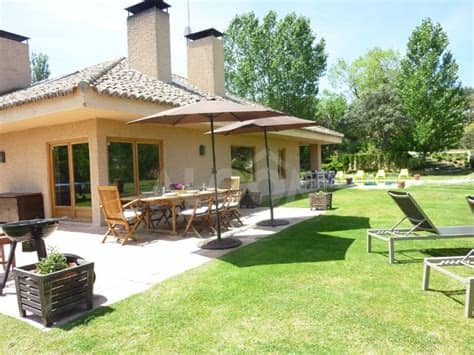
{"x":422,"y":227}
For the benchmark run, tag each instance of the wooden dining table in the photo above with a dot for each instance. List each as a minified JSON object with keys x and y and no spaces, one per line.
{"x":173,"y":200}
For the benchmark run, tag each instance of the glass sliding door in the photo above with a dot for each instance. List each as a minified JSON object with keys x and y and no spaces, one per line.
{"x":134,"y":166}
{"x":71,"y":180}
{"x":62,"y":180}
{"x":148,"y":166}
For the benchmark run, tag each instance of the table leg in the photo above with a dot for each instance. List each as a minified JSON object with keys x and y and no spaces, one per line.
{"x":173,"y":216}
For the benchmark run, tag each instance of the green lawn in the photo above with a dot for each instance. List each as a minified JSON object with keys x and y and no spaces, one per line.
{"x":311,"y":288}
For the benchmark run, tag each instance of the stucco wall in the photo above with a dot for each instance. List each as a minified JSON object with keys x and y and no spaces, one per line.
{"x":27,"y":156}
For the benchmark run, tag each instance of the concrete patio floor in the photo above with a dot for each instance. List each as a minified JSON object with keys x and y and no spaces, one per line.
{"x":122,"y":271}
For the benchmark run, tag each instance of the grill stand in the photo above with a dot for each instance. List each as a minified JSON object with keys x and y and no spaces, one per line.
{"x":40,"y":247}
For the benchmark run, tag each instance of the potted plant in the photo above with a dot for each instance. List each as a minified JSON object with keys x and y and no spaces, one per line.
{"x":320,"y":200}
{"x":54,"y":285}
{"x":401,"y":184}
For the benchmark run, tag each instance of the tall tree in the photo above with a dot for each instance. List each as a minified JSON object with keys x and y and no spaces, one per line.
{"x":378,"y":119}
{"x":330,"y":110}
{"x":430,"y":89}
{"x":276,"y":62}
{"x":368,"y":72}
{"x":39,"y":67}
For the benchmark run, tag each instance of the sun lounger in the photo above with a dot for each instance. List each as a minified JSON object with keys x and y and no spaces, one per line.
{"x":445,"y":265}
{"x":470,"y":202}
{"x":422,"y":227}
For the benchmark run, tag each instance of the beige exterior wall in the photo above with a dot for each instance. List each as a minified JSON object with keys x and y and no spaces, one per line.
{"x":27,"y":156}
{"x":14,"y":65}
{"x":206,"y":64}
{"x":149,"y":49}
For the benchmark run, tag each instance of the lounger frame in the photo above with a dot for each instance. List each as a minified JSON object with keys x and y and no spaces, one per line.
{"x":395,"y":234}
{"x":439,"y":264}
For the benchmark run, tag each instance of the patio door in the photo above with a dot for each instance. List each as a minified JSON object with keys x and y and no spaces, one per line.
{"x":70,"y":180}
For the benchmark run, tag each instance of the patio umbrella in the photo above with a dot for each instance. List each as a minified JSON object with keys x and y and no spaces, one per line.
{"x":270,"y":124}
{"x":211,"y":111}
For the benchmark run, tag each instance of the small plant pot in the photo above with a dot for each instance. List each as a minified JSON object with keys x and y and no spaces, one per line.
{"x":401,"y":184}
{"x":320,"y":201}
{"x":52,"y":295}
{"x":349,"y":181}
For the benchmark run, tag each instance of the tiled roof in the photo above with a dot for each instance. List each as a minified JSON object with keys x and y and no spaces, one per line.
{"x":111,"y":78}
{"x":115,"y":78}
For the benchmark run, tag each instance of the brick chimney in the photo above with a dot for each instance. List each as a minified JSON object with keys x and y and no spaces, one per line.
{"x":206,"y":61}
{"x":148,"y":27}
{"x":14,"y":62}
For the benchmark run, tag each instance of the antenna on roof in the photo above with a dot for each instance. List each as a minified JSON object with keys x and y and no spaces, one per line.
{"x":187,"y":29}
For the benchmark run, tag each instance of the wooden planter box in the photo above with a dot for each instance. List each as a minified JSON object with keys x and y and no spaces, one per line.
{"x":320,"y":201}
{"x":50,"y":296}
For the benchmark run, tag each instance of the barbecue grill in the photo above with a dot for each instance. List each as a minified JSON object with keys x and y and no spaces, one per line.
{"x":33,"y":231}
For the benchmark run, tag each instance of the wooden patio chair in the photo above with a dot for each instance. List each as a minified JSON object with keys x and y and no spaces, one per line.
{"x":200,"y":212}
{"x":156,"y":214}
{"x":232,"y":183}
{"x":122,"y":220}
{"x":231,"y":207}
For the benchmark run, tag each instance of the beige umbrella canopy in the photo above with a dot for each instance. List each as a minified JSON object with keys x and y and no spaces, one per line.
{"x":204,"y":111}
{"x":270,"y":124}
{"x":211,"y":111}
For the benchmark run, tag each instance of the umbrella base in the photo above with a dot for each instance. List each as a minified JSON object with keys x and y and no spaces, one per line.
{"x":224,"y":243}
{"x":273,"y":223}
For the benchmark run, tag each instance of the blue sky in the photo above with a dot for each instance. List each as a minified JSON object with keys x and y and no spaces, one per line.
{"x":76,"y":34}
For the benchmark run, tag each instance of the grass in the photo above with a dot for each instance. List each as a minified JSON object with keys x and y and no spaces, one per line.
{"x":310,"y":288}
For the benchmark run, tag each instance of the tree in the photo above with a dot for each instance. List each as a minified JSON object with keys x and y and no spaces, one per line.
{"x":277,"y":63}
{"x":39,"y":67}
{"x":470,"y":99}
{"x":330,"y":110}
{"x":366,"y":73}
{"x":467,"y":140}
{"x":377,"y":119}
{"x":430,"y":90}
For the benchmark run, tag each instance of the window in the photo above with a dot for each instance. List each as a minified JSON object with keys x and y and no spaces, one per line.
{"x":282,"y":163}
{"x":242,"y":162}
{"x":134,"y":167}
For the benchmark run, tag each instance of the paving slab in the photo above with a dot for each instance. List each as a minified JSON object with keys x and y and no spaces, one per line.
{"x":122,"y":271}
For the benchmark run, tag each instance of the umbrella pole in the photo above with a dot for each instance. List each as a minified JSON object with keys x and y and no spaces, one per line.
{"x":272,"y":222}
{"x":268,"y":174}
{"x":218,"y":243}
{"x":214,"y":172}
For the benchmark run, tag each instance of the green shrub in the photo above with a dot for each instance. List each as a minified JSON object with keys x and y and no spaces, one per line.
{"x":54,"y":262}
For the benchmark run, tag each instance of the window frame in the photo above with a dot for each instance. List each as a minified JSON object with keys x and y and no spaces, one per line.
{"x":253,"y":149}
{"x":135,"y":142}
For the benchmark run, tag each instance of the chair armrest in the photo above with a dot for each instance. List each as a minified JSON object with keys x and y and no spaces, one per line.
{"x":131,"y":203}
